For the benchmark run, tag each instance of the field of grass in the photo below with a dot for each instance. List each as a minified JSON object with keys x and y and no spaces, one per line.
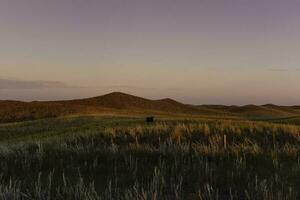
{"x":126,"y":158}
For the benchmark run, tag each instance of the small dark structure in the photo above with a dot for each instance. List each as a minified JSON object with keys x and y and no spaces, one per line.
{"x":149,"y":119}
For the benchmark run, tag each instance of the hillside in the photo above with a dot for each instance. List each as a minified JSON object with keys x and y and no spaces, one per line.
{"x":263,"y":111}
{"x":122,"y":101}
{"x":11,"y":111}
{"x":116,"y":102}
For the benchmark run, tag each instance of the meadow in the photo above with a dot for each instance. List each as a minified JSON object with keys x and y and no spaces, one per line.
{"x":92,"y":157}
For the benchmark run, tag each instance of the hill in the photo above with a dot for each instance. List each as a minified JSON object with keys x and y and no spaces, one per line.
{"x":11,"y":111}
{"x":113,"y":103}
{"x":117,"y":103}
{"x":262,"y":111}
{"x":122,"y":101}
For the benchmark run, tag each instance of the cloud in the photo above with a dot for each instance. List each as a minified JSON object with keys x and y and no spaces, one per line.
{"x":23,"y":84}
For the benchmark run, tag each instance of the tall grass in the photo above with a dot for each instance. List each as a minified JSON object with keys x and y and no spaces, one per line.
{"x":166,"y":160}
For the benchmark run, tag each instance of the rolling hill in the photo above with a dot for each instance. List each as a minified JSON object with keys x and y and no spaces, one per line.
{"x":112,"y":103}
{"x":117,"y":102}
{"x":122,"y":101}
{"x":256,"y":111}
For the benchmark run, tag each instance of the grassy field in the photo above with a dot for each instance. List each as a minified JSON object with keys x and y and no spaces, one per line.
{"x":92,"y":157}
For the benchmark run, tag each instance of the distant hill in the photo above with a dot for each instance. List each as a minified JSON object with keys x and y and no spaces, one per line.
{"x":268,"y":110}
{"x":113,"y":103}
{"x":11,"y":111}
{"x":122,"y":101}
{"x":117,"y":102}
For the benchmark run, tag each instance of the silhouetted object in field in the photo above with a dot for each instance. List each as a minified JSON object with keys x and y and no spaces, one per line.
{"x":149,"y":119}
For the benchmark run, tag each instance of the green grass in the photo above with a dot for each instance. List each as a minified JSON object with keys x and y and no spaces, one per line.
{"x":125,"y":158}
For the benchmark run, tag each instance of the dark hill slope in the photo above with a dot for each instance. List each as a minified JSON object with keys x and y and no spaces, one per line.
{"x":12,"y":111}
{"x":116,"y":103}
{"x":267,"y":110}
{"x":124,"y":101}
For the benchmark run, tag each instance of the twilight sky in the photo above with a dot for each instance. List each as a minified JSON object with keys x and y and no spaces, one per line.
{"x":196,"y":51}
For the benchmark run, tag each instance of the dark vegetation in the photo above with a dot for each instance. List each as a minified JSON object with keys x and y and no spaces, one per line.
{"x":127,"y":158}
{"x":150,"y":119}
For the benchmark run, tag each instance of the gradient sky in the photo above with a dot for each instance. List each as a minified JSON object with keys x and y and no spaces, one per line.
{"x":196,"y":51}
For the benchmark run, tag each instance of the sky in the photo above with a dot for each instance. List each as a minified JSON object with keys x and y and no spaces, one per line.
{"x":195,"y":51}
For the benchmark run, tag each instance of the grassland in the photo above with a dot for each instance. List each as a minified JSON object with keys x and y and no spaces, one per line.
{"x":102,"y":148}
{"x":93,"y":157}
